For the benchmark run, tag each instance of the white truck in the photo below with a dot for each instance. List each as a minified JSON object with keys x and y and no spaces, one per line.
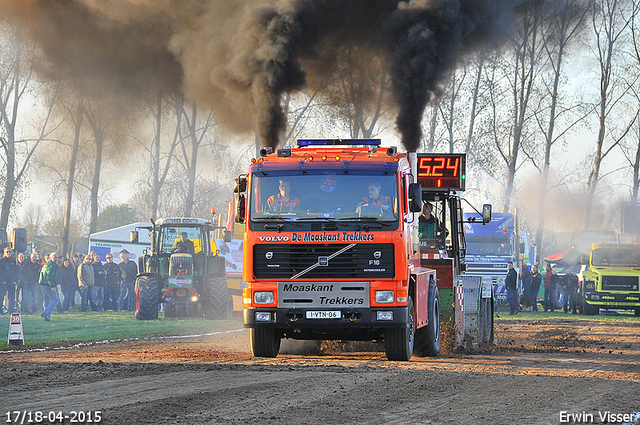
{"x":114,"y":241}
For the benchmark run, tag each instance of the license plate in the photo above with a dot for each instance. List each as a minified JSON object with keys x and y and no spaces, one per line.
{"x":323,"y":314}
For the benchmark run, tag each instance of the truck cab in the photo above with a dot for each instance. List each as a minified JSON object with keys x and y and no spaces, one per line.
{"x":329,"y":249}
{"x":611,"y":279}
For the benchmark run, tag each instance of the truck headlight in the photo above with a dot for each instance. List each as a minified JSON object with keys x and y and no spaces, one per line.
{"x":263,"y":297}
{"x":384,"y":297}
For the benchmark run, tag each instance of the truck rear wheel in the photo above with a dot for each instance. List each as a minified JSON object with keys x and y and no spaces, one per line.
{"x":218,"y":303}
{"x":147,"y":297}
{"x":264,"y":342}
{"x":398,"y":342}
{"x":428,"y":337}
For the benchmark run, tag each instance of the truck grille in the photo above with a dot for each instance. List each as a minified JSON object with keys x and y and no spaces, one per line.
{"x":359,"y":261}
{"x":620,"y":283}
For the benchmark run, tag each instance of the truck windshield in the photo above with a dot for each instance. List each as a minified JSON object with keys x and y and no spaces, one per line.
{"x":323,"y":195}
{"x":616,"y":257}
{"x":171,"y":239}
{"x":488,"y":245}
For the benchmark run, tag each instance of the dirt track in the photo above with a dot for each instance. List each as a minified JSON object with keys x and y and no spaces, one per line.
{"x":538,"y":370}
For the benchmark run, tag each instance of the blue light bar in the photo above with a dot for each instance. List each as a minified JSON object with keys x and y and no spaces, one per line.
{"x":338,"y":142}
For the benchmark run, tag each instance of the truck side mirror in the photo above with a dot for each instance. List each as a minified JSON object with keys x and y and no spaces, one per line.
{"x":415,"y":197}
{"x":240,"y":208}
{"x":133,"y":236}
{"x":227,"y":235}
{"x":486,"y":213}
{"x":240,"y":185}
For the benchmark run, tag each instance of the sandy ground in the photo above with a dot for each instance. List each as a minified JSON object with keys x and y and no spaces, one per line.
{"x":541,"y":372}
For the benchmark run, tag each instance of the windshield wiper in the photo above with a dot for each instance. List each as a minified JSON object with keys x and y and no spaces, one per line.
{"x":325,"y":220}
{"x":375,"y":220}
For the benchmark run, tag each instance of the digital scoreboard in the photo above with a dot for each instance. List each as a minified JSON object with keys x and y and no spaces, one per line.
{"x":442,"y":171}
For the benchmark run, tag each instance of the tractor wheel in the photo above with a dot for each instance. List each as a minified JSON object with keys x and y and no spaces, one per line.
{"x":147,"y":297}
{"x":264,"y":342}
{"x":218,"y":303}
{"x":398,"y":342}
{"x":428,"y":337}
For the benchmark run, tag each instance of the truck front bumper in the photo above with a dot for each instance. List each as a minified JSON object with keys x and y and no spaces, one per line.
{"x":350,"y":318}
{"x":607,"y":299}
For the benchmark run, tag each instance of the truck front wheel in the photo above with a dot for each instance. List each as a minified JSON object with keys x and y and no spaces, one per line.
{"x":147,"y":297}
{"x":398,"y":342}
{"x":590,"y":310}
{"x":264,"y":342}
{"x":428,"y":337}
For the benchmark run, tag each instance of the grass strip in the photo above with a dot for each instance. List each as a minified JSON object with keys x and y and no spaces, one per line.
{"x":99,"y":326}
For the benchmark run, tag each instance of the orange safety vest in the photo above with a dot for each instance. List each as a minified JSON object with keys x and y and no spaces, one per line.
{"x":382,"y":200}
{"x":277,"y":202}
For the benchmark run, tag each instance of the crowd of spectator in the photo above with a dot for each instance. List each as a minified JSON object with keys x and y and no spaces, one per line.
{"x":61,"y":281}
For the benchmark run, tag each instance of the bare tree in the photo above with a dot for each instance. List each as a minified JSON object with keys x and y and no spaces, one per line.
{"x":632,"y":149}
{"x":359,"y":93}
{"x":17,"y":83}
{"x":521,"y":74}
{"x":76,"y":114}
{"x":610,"y":20}
{"x":198,"y":133}
{"x":564,"y":23}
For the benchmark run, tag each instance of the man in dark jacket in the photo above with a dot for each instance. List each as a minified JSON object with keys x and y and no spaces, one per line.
{"x":525,"y":277}
{"x":8,"y":281}
{"x":570,"y":284}
{"x":30,"y":273}
{"x":536,"y":280}
{"x":113,"y":277}
{"x":510,"y":282}
{"x":129,"y":270}
{"x":99,"y":280}
{"x":49,"y":284}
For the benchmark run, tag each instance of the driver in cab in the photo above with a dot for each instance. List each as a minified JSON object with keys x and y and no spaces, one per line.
{"x":283,"y":201}
{"x":183,"y":245}
{"x":376,"y":199}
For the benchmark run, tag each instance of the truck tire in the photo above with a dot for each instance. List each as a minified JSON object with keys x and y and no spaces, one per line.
{"x":590,"y":310}
{"x":559,"y":296}
{"x":398,"y":342}
{"x":264,"y":342}
{"x":218,"y":303}
{"x":428,"y":337}
{"x":147,"y":297}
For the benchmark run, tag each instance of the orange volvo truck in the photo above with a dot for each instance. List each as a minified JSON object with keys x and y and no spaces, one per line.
{"x":331,"y":248}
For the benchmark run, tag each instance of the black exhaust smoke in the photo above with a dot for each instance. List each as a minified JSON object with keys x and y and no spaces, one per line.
{"x":240,"y":57}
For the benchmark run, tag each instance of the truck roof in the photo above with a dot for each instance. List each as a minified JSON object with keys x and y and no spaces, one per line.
{"x":332,"y":156}
{"x":185,"y":221}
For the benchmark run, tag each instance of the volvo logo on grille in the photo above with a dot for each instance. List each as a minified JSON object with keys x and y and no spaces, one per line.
{"x":323,"y":261}
{"x":268,"y":255}
{"x":377,"y":255}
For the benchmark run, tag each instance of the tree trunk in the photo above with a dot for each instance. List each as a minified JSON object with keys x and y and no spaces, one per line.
{"x":66,"y":225}
{"x":95,"y":186}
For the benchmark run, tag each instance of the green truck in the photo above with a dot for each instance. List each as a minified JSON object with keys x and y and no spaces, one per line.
{"x":611,"y":279}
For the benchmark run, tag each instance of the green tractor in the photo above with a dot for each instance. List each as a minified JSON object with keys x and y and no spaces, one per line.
{"x":184,"y":271}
